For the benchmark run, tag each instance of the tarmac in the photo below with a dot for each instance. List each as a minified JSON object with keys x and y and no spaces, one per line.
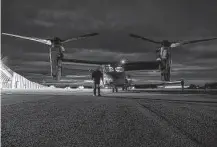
{"x":140,"y":118}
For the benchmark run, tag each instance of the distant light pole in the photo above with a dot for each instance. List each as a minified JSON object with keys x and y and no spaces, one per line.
{"x":183,"y":84}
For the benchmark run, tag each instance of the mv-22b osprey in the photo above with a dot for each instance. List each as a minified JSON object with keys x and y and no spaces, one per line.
{"x":114,"y":72}
{"x":164,"y":53}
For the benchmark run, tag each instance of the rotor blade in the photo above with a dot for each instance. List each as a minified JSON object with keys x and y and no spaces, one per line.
{"x":190,"y":42}
{"x":143,"y":38}
{"x":80,"y":37}
{"x":176,"y":44}
{"x":197,"y":41}
{"x":44,"y":41}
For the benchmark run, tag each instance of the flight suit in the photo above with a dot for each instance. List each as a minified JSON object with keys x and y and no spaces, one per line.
{"x":96,"y":76}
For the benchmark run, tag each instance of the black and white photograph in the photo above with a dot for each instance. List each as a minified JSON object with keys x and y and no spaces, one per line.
{"x":108,"y":73}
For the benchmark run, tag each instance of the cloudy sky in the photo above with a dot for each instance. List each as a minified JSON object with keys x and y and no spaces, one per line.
{"x":114,"y":20}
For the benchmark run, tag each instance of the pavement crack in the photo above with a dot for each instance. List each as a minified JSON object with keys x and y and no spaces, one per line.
{"x":191,"y":137}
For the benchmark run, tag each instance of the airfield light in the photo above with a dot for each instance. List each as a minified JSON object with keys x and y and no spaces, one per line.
{"x":123,"y":61}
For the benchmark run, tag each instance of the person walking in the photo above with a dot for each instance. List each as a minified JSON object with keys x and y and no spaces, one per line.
{"x":96,"y":77}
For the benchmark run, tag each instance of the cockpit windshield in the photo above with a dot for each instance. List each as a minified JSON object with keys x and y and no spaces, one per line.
{"x":119,"y":69}
{"x":109,"y":68}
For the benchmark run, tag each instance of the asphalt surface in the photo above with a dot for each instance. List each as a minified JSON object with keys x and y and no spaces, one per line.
{"x":76,"y":118}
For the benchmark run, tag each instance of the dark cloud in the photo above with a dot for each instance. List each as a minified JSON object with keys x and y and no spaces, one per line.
{"x":157,"y":19}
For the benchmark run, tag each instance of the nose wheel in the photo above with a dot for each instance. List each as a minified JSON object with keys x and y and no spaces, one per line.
{"x":114,"y":89}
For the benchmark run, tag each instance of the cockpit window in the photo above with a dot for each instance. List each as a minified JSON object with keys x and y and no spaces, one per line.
{"x":119,"y":69}
{"x":109,"y":68}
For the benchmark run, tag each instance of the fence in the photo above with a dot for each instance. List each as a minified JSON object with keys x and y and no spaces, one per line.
{"x":13,"y":80}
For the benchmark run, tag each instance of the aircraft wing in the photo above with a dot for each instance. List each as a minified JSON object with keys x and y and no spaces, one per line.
{"x":143,"y":38}
{"x":129,"y":66}
{"x":44,"y":41}
{"x":169,"y":82}
{"x":191,"y":42}
{"x":80,"y":37}
{"x":87,"y":62}
{"x":141,"y":65}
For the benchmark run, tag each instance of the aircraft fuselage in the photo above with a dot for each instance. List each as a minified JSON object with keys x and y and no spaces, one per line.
{"x":114,"y":77}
